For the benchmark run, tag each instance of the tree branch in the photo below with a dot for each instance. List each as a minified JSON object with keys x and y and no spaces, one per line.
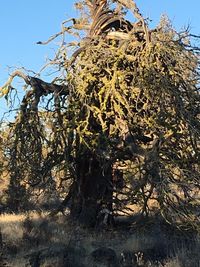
{"x":39,"y":88}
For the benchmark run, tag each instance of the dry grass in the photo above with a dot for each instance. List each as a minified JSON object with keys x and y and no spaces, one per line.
{"x":25,"y":235}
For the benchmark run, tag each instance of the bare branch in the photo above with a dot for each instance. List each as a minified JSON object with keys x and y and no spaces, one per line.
{"x":131,"y":5}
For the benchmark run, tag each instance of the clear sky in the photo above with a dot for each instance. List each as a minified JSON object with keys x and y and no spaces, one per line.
{"x":23,"y":23}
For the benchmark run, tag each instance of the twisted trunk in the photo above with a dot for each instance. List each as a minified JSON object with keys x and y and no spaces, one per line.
{"x":92,"y":197}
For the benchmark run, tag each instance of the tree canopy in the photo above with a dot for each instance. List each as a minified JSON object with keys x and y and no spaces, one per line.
{"x":120,"y":123}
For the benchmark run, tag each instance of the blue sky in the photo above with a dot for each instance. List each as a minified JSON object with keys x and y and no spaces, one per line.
{"x":23,"y":23}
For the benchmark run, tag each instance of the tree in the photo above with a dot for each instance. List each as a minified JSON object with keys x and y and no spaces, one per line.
{"x":3,"y":166}
{"x":125,"y":117}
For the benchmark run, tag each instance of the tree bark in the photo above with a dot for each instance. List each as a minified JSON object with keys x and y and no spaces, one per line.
{"x":93,"y":194}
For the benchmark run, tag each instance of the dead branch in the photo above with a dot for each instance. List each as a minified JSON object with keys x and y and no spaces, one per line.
{"x":131,"y":5}
{"x":37,"y":84}
{"x":63,"y":30}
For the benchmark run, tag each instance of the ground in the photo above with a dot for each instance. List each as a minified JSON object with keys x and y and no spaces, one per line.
{"x":34,"y":239}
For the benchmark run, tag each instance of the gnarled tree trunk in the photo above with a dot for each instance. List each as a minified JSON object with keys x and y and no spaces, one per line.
{"x":92,"y":198}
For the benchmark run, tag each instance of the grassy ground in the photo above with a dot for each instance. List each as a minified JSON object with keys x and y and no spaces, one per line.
{"x":35,"y":240}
